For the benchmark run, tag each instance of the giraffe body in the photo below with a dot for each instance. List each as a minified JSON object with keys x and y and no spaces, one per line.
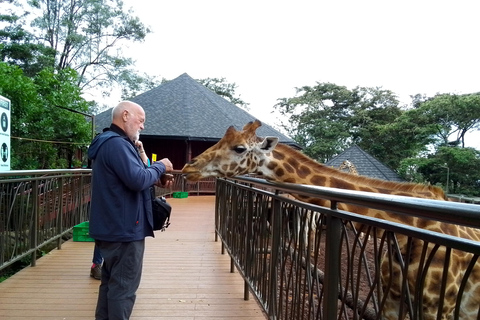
{"x":242,"y":152}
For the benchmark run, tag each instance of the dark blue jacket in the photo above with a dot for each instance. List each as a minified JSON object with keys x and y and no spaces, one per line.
{"x":121,"y":208}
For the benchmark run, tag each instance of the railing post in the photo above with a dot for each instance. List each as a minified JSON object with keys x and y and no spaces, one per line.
{"x":249,"y":255}
{"x":276,"y":240}
{"x":60,"y":214}
{"x":332,"y":265}
{"x":217,"y":209}
{"x":34,"y":230}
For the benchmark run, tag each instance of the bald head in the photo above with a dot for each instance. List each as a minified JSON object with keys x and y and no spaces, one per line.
{"x":130,"y":117}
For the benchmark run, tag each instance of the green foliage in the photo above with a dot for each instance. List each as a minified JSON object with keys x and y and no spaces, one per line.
{"x":70,"y":47}
{"x":86,"y":36}
{"x":41,"y":132}
{"x":224,"y":89}
{"x":403,"y":137}
{"x":137,"y":84}
{"x":451,"y":115}
{"x":458,"y":166}
{"x":19,"y":47}
{"x":317,"y":118}
{"x":328,"y":118}
{"x":85,"y":33}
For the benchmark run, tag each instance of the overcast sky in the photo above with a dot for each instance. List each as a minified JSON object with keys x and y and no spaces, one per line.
{"x":270,"y":47}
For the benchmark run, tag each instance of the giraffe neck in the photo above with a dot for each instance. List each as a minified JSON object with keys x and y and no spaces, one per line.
{"x":285,"y":164}
{"x":288,"y":165}
{"x":352,"y":169}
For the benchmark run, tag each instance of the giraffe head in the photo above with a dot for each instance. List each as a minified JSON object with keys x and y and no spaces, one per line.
{"x":237,"y":153}
{"x":347,"y":164}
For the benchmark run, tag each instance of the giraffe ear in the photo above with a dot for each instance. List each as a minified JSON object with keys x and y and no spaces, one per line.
{"x":252,"y":126}
{"x":230,"y":131}
{"x":268,"y":144}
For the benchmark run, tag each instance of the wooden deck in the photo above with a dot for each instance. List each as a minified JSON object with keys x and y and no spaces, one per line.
{"x":184,"y":277}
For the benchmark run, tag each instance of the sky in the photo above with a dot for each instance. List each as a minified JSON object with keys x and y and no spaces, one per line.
{"x":269,"y":48}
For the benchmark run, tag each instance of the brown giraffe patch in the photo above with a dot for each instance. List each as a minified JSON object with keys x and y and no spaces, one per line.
{"x":277,"y":155}
{"x":293,"y":162}
{"x":304,"y":171}
{"x":279,"y":172}
{"x":342,"y":184}
{"x":318,"y":180}
{"x":289,"y":168}
{"x":272,"y":165}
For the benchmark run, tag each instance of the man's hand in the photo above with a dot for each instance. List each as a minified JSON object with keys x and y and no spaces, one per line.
{"x":165,"y":181}
{"x":168,"y":164}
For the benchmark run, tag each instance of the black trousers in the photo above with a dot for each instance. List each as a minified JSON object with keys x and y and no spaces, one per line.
{"x":121,"y":274}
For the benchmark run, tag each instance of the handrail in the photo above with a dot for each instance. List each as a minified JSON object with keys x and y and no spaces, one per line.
{"x":465,"y":213}
{"x":300,"y":259}
{"x":38,"y":208}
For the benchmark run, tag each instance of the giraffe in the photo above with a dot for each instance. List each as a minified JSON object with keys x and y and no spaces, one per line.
{"x":347,"y":164}
{"x":242,"y":152}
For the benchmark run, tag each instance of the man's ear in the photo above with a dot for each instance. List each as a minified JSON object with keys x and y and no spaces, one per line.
{"x":125,"y":115}
{"x":268,"y":144}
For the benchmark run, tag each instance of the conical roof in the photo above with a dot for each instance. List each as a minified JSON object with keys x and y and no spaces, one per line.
{"x":366,"y":164}
{"x":184,"y":109}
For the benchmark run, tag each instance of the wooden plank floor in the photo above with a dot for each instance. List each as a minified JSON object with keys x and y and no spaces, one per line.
{"x":184,"y":277}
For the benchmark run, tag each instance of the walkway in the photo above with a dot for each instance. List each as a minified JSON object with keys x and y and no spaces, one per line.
{"x":185,"y":277}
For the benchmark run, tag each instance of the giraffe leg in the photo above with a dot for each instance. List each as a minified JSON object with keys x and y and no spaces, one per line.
{"x":313,"y":228}
{"x":391,"y":277}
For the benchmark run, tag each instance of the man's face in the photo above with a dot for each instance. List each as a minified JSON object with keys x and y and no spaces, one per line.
{"x":135,"y":123}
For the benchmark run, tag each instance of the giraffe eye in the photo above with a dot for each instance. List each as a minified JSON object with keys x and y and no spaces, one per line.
{"x":239,"y":149}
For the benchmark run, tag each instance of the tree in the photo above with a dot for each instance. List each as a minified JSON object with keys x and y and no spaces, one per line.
{"x":317,"y":118}
{"x":85,"y":36}
{"x":452,"y":166}
{"x":452,"y":115}
{"x":372,"y":123}
{"x":137,"y":84}
{"x":44,"y":136}
{"x":60,"y":94}
{"x":328,"y":118}
{"x":224,"y":89}
{"x":19,"y":47}
{"x":72,"y":47}
{"x":406,"y":136}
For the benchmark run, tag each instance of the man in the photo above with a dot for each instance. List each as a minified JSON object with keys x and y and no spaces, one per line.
{"x":121,"y":209}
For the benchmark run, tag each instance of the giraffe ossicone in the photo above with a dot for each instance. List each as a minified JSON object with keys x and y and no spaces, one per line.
{"x":243,"y":152}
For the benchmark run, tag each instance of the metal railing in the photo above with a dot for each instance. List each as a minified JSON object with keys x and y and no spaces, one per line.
{"x":39,"y":207}
{"x":204,"y":186}
{"x":303,"y":261}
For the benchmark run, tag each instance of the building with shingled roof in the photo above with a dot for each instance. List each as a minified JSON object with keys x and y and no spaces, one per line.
{"x":365,"y":164}
{"x":184,"y":118}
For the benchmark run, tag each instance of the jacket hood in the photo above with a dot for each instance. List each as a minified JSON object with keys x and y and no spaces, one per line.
{"x":98,"y":141}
